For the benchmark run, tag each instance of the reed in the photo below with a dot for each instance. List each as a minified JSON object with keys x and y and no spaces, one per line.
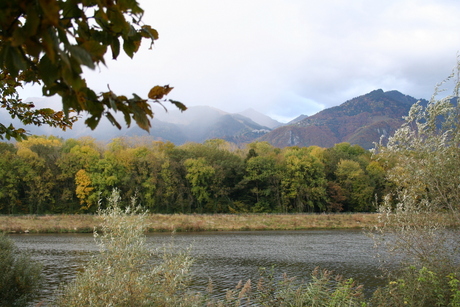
{"x":190,"y":222}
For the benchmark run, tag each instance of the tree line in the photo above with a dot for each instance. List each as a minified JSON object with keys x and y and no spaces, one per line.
{"x":46,"y":174}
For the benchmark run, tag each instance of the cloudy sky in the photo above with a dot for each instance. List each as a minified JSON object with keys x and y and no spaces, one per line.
{"x":288,"y":57}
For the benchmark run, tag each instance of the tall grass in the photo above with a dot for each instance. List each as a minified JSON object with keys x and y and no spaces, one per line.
{"x":324,"y":289}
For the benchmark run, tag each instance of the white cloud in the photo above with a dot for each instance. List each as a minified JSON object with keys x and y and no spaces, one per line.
{"x":289,"y":57}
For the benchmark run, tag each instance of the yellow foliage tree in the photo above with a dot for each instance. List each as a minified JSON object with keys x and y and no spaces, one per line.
{"x":84,"y":189}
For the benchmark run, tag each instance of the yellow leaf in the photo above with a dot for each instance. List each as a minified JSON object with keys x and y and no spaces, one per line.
{"x":157,"y":92}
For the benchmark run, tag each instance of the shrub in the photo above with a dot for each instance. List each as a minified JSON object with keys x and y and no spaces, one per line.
{"x":419,"y":287}
{"x":126,"y":272}
{"x":20,"y":277}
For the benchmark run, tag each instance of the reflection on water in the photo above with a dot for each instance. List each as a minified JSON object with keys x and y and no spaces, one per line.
{"x":225,"y":257}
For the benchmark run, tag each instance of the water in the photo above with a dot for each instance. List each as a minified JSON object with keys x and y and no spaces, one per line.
{"x":225,"y":257}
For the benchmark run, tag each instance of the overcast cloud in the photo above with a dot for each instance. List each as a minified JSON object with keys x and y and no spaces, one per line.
{"x":288,"y":57}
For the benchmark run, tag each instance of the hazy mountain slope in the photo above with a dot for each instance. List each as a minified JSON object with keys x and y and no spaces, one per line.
{"x":261,"y":119}
{"x":361,"y":120}
{"x":191,"y":115}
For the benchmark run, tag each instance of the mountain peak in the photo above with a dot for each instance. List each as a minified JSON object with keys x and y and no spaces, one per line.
{"x":361,"y":120}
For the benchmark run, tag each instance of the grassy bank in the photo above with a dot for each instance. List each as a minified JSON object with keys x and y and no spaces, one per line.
{"x":194,"y":222}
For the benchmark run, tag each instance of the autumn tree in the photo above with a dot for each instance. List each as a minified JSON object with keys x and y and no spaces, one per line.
{"x":263,"y":177}
{"x":49,"y":43}
{"x":356,"y":185}
{"x":420,"y":218}
{"x":200,"y":175}
{"x":10,"y":179}
{"x":303,"y":182}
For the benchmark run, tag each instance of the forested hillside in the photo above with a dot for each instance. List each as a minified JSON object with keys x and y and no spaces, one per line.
{"x":52,"y":175}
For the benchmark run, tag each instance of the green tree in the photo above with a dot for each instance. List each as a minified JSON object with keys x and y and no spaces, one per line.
{"x":304,"y":182}
{"x":263,"y":177}
{"x":10,"y":179}
{"x":38,"y":155}
{"x":49,"y":42}
{"x":200,"y":175}
{"x":356,"y":184}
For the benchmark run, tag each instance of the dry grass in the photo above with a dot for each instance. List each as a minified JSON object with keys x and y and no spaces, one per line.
{"x":193,"y":222}
{"x":56,"y":223}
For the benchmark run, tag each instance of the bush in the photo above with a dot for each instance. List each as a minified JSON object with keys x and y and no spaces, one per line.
{"x":126,"y":272}
{"x":421,"y":288}
{"x":20,"y":278}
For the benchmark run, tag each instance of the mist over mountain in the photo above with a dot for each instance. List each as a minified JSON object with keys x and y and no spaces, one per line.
{"x":261,"y":119}
{"x":361,"y":120}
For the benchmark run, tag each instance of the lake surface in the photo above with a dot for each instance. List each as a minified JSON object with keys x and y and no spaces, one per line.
{"x":225,"y":257}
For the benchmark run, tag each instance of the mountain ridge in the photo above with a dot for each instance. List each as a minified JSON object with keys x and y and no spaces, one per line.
{"x":361,"y":120}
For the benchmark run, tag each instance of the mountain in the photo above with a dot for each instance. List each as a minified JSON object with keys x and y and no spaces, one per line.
{"x":200,"y":123}
{"x":261,"y":119}
{"x":197,"y":124}
{"x":361,"y":120}
{"x":297,"y":119}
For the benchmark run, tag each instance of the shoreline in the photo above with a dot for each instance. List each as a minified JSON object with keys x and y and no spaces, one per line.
{"x":83,"y":223}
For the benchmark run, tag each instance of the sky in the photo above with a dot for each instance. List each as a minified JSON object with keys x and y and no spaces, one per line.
{"x":284,"y":58}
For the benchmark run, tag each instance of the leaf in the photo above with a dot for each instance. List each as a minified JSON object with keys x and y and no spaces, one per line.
{"x":115,"y":46}
{"x":95,"y":49}
{"x":51,"y":12}
{"x":92,"y":122}
{"x":178,"y":104}
{"x":157,"y":92}
{"x":48,"y":70}
{"x":148,"y":32}
{"x":112,"y":120}
{"x":130,"y":47}
{"x":82,"y":56}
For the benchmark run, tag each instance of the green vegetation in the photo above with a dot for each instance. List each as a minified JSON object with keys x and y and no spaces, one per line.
{"x":20,"y":277}
{"x":48,"y":175}
{"x":50,"y":42}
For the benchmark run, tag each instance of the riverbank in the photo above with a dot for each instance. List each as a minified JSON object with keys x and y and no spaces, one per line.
{"x":194,"y":222}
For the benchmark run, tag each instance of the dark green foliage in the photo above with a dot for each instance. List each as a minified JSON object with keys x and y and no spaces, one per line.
{"x":50,"y":175}
{"x":20,"y":277}
{"x":49,"y":43}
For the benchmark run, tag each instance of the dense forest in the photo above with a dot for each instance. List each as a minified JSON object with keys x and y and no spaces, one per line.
{"x":45,"y":174}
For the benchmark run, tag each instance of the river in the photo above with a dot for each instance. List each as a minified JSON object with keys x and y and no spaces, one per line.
{"x":225,"y":257}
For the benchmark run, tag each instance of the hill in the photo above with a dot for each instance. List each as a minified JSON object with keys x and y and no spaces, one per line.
{"x":361,"y":120}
